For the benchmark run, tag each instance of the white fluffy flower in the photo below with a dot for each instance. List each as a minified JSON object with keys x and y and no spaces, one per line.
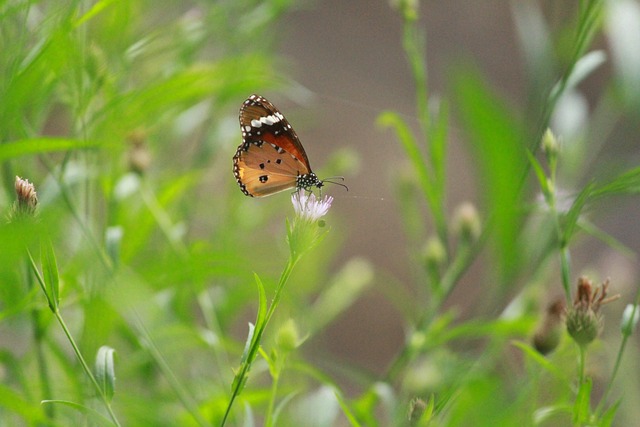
{"x":308,"y":206}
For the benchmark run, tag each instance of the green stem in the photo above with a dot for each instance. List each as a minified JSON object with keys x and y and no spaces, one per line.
{"x":253,"y":350}
{"x":414,"y":48}
{"x":616,"y":366}
{"x":56,"y":312}
{"x":38,"y":336}
{"x":582,"y":356}
{"x":587,"y":25}
{"x":86,"y":368}
{"x":460,"y":264}
{"x":565,"y":266}
{"x":43,"y":368}
{"x":284,"y":277}
{"x":565,"y":259}
{"x":272,"y":399}
{"x":180,"y":391}
{"x":66,"y":196}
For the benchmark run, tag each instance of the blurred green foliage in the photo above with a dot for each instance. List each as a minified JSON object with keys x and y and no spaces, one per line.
{"x":126,"y":299}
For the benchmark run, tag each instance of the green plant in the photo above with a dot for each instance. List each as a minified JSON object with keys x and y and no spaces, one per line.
{"x":139,"y":249}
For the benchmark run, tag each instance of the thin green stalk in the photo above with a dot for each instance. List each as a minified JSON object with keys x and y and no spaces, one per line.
{"x":565,"y":259}
{"x":182,"y":394}
{"x":565,"y":267}
{"x":582,"y":356}
{"x":102,"y":256}
{"x":414,"y":49}
{"x":38,"y":336}
{"x":284,"y":277}
{"x":43,"y":367}
{"x":616,"y":366}
{"x":460,"y":264}
{"x":76,"y":349}
{"x":588,"y":17}
{"x":253,"y":350}
{"x":272,"y":399}
{"x":85,"y":367}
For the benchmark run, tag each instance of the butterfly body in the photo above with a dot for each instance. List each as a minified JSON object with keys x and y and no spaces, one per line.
{"x":271,"y":158}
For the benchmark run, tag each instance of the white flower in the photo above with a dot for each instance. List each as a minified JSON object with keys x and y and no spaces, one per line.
{"x":308,"y":206}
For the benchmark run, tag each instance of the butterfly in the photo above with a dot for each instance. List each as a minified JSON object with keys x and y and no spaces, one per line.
{"x":271,"y":158}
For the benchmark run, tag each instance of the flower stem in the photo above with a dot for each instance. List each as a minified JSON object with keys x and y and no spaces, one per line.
{"x":616,"y":366}
{"x":272,"y":399}
{"x":86,"y":368}
{"x":241,"y":377}
{"x":56,"y":312}
{"x":582,"y":356}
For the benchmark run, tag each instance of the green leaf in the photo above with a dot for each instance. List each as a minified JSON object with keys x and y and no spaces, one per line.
{"x":543,"y":414}
{"x":281,"y":405}
{"x":585,"y":66}
{"x":272,"y":361}
{"x":627,"y":183}
{"x":570,"y":219}
{"x":539,"y":171}
{"x":252,"y":343}
{"x":95,"y":10}
{"x":50,"y":271}
{"x":439,"y":133}
{"x":581,"y":70}
{"x":105,"y":371}
{"x":14,"y":149}
{"x":591,"y":229}
{"x":622,"y":23}
{"x":13,"y":402}
{"x":343,"y":291}
{"x":248,"y":343}
{"x":346,"y":410}
{"x":262,"y":303}
{"x":582,"y":407}
{"x":533,"y":355}
{"x":91,"y":413}
{"x":496,"y":139}
{"x":610,"y":414}
{"x":403,"y":133}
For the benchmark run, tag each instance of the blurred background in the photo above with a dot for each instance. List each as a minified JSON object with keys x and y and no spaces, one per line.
{"x":157,"y":247}
{"x":347,"y":58}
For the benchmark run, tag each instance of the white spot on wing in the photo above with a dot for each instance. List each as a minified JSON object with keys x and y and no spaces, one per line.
{"x":269,"y":120}
{"x":256,"y":123}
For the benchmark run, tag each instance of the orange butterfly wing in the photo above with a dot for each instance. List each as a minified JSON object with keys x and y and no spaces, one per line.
{"x":271,"y":158}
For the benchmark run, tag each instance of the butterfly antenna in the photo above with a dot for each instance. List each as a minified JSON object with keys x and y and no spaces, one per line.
{"x":335,"y":183}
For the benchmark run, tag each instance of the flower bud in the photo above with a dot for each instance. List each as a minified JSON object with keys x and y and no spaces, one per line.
{"x":434,"y":254}
{"x":466,"y":222}
{"x":139,"y":157}
{"x":548,"y":334}
{"x":584,"y":326}
{"x":408,"y":8}
{"x":27,"y":200}
{"x":417,"y":407}
{"x":288,"y":336}
{"x":584,"y":323}
{"x":630,"y":318}
{"x":550,"y":144}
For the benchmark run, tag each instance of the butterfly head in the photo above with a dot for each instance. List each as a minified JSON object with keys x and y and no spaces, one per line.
{"x":308,"y":180}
